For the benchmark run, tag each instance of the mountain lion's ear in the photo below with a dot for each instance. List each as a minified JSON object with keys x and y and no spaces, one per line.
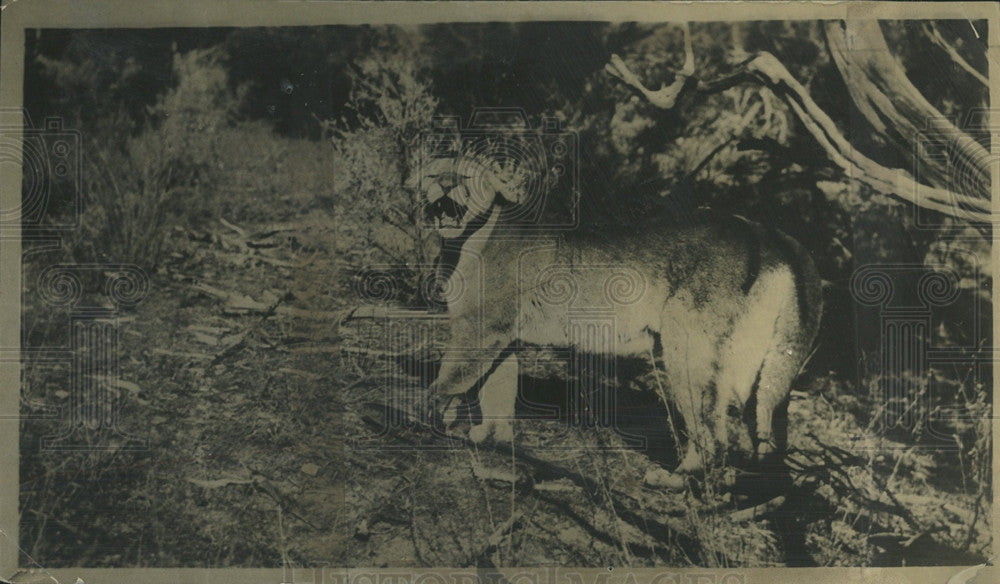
{"x":511,"y":195}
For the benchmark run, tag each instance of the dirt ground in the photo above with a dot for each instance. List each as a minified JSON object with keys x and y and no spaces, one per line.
{"x":266,"y":418}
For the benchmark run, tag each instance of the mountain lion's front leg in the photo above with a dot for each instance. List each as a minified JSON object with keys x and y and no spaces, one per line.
{"x":496,"y":401}
{"x":462,"y":371}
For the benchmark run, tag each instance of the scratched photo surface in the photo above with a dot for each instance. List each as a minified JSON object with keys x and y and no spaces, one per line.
{"x":507,"y":294}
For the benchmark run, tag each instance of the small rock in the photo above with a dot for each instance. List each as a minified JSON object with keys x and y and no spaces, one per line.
{"x":361,"y":531}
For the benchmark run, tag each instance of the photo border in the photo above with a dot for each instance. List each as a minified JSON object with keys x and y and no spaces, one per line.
{"x":21,"y":15}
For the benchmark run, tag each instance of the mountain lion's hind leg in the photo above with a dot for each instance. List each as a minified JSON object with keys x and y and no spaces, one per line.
{"x":689,"y":383}
{"x":781,"y":366}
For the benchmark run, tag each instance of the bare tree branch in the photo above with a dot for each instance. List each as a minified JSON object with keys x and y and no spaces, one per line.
{"x":766,"y":69}
{"x":748,"y":117}
{"x":935,"y":35}
{"x":893,"y":182}
{"x":893,"y":106}
{"x":666,"y":96}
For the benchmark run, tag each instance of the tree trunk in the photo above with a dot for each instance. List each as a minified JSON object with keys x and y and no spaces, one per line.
{"x":943,"y":155}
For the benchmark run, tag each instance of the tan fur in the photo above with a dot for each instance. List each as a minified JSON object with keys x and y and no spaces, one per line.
{"x":727,"y":299}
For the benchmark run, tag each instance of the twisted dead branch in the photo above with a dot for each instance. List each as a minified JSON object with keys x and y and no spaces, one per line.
{"x":869,"y":77}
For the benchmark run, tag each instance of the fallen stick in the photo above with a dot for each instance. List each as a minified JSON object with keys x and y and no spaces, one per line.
{"x":753,"y":512}
{"x":382,"y":311}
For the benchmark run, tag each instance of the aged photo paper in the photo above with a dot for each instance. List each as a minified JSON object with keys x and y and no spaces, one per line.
{"x":490,"y":292}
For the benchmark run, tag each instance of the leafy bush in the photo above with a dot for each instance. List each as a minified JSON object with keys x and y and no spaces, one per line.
{"x":136,"y":186}
{"x":377,"y":149}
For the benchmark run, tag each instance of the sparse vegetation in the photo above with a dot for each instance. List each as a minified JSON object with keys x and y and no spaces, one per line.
{"x":265,"y":411}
